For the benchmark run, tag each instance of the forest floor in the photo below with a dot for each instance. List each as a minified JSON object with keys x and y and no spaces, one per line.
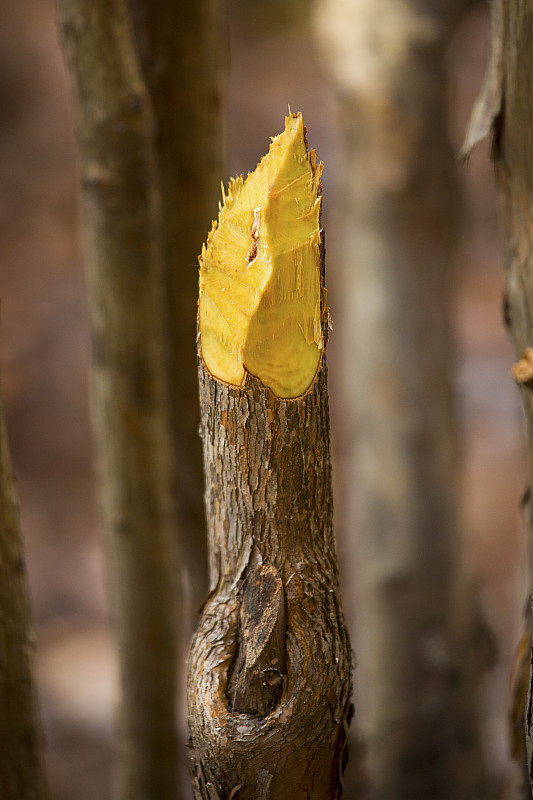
{"x":44,"y":346}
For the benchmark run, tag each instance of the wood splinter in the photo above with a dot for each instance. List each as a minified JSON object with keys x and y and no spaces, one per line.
{"x":269,"y":676}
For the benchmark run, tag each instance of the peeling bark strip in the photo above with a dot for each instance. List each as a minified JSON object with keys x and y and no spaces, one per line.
{"x":21,"y":771}
{"x":270,"y":665}
{"x":489,"y":103}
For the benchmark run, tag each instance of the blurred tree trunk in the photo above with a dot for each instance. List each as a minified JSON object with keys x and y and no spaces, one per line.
{"x":510,"y":76}
{"x":182,"y":50}
{"x":124,"y":266}
{"x":21,"y":769}
{"x":398,"y":227}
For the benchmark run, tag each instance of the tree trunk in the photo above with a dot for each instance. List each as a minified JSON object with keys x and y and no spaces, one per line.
{"x":397,"y":226}
{"x":182,"y":55}
{"x":270,"y":667}
{"x":511,"y":75}
{"x":21,"y":769}
{"x":124,"y":276}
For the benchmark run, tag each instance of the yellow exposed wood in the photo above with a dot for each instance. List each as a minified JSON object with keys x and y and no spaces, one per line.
{"x":260,"y":272}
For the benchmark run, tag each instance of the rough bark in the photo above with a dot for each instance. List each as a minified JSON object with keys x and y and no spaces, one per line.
{"x":275,"y":728}
{"x":124,"y":278}
{"x":513,"y":159}
{"x":21,"y":769}
{"x":182,"y":56}
{"x":397,"y":226}
{"x":269,"y":675}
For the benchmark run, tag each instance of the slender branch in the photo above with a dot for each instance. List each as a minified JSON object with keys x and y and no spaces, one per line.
{"x":513,"y":160}
{"x":124,"y":276}
{"x":21,"y":769}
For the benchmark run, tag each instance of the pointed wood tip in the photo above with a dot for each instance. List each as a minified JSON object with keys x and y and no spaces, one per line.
{"x":260,"y":272}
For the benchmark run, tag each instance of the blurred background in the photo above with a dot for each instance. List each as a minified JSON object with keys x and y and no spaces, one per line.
{"x":44,"y":353}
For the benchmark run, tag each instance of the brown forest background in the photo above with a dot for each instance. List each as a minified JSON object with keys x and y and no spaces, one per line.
{"x":45,"y":355}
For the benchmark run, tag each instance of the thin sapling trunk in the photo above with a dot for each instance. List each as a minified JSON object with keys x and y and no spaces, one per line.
{"x":270,"y":665}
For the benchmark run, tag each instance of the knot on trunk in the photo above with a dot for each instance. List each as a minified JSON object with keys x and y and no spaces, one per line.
{"x":255,"y":679}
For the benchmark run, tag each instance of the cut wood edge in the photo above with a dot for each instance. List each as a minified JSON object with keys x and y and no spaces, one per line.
{"x":261,"y":306}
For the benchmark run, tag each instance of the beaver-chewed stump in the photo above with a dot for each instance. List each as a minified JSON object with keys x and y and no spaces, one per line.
{"x":269,"y":676}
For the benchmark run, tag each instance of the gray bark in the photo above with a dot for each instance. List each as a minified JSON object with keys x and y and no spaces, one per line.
{"x":397,"y":227}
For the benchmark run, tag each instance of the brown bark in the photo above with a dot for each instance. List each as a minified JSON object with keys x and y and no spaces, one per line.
{"x":269,"y":678}
{"x":182,"y":55}
{"x":21,"y":769}
{"x":397,"y":226}
{"x":124,"y":277}
{"x":513,"y":159}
